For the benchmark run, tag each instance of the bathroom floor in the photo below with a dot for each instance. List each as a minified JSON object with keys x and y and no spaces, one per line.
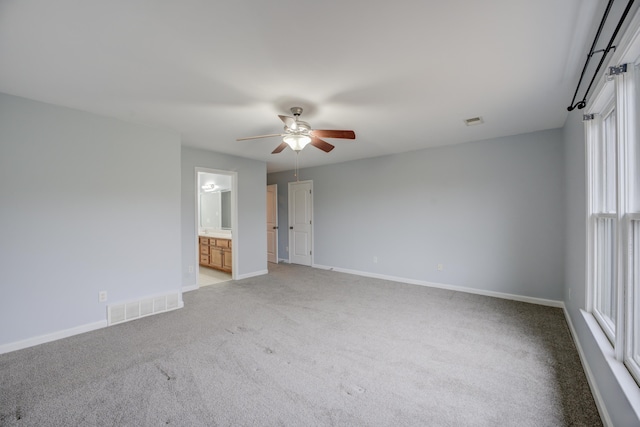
{"x":209,"y":276}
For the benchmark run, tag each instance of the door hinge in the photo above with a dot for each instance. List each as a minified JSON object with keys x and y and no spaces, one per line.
{"x":587,"y":117}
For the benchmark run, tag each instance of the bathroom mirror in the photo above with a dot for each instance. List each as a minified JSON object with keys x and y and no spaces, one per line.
{"x":210,"y":210}
{"x":215,"y":210}
{"x":225,"y":210}
{"x":214,"y":202}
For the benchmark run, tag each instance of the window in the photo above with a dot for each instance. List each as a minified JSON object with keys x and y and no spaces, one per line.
{"x":632,"y":355}
{"x":632,"y":358}
{"x":604,"y":223}
{"x":613,"y":158}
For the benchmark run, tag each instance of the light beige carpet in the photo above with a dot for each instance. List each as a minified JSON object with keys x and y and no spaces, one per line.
{"x":306,"y":347}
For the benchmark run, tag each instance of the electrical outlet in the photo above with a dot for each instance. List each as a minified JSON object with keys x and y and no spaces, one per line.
{"x":191,"y":269}
{"x":102,"y":296}
{"x":375,"y":259}
{"x":440,"y":267}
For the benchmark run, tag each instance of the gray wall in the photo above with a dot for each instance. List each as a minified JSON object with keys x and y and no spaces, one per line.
{"x":575,"y":287}
{"x":87,"y":204}
{"x":251,"y":239}
{"x":492,"y":212}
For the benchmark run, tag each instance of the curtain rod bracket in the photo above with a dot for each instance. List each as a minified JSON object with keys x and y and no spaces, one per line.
{"x":614,"y":71}
{"x":581,"y":104}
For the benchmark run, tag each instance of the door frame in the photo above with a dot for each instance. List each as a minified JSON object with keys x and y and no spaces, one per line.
{"x":277,"y":230}
{"x":313,"y":223}
{"x":234,"y":218}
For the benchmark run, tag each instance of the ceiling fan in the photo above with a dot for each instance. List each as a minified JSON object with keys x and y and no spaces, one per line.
{"x":297,"y":134}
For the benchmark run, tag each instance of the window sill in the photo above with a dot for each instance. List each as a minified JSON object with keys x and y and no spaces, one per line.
{"x":627,"y":384}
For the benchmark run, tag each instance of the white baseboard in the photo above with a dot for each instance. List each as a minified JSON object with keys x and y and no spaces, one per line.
{"x":532,"y":300}
{"x":595,"y":391}
{"x":252,"y":274}
{"x":190,"y":288}
{"x":284,"y":260}
{"x":30,"y":342}
{"x":77,"y":330}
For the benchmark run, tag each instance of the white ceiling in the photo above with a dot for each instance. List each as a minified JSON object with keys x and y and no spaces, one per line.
{"x":403,"y":74}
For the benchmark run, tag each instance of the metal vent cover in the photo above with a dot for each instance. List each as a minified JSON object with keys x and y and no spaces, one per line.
{"x":474,"y":121}
{"x":118,"y":313}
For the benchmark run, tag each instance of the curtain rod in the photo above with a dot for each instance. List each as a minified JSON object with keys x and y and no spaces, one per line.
{"x":581,"y":104}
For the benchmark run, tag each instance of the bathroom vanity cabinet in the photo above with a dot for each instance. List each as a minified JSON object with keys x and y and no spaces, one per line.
{"x":216,"y":253}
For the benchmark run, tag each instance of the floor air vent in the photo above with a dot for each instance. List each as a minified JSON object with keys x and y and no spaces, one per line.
{"x":118,"y":313}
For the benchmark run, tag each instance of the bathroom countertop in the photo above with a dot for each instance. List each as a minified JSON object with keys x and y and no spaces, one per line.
{"x":217,"y":235}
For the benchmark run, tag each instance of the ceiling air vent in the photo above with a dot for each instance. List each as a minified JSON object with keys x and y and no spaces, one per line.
{"x":473,"y":121}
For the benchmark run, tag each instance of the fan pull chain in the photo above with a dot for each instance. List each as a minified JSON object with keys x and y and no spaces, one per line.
{"x":296,"y":172}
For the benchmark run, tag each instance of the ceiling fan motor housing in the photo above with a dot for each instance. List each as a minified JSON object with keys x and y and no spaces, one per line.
{"x":301,"y":127}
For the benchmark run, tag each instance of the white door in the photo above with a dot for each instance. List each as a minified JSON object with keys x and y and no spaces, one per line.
{"x":272,"y":223}
{"x":300,"y":222}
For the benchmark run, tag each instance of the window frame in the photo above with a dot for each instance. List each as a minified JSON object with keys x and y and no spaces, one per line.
{"x":595,"y":131}
{"x":632,"y":339}
{"x":617,"y":94}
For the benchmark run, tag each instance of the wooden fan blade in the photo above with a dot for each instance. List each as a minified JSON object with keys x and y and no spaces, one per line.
{"x":343,"y":134}
{"x":279,"y":148}
{"x":260,"y":136}
{"x":323,"y":145}
{"x":289,"y":122}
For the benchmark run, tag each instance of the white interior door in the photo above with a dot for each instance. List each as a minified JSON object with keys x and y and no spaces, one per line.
{"x":300,"y":222}
{"x":272,"y":223}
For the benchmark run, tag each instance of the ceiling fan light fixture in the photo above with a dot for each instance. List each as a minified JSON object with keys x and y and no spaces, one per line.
{"x":298,"y":134}
{"x":296,"y":142}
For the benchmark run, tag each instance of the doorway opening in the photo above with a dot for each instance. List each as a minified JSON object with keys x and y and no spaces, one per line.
{"x":216,"y":226}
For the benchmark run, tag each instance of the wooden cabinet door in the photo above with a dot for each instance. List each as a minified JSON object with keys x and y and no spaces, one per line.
{"x":204,"y":251}
{"x":215,"y":256}
{"x":227,"y":261}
